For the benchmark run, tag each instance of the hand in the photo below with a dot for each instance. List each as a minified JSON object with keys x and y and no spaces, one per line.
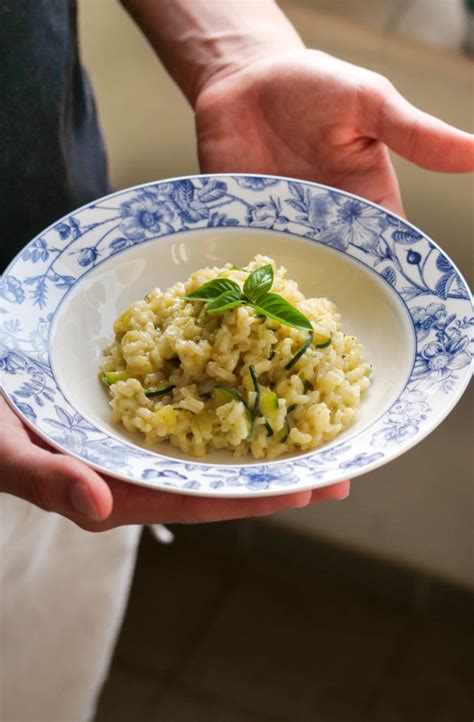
{"x":33,"y":471}
{"x":305,"y":114}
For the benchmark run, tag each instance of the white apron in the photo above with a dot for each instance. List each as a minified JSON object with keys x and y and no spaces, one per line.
{"x":63,"y":593}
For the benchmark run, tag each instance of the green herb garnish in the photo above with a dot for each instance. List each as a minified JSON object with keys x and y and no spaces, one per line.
{"x":223,"y":294}
{"x":213,"y":289}
{"x":224,"y":302}
{"x":258,"y":283}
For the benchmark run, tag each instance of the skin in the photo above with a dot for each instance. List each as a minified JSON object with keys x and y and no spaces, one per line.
{"x":308,"y":115}
{"x":265,"y":104}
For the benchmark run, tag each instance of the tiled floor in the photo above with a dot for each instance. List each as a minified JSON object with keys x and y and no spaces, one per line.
{"x":218,"y":630}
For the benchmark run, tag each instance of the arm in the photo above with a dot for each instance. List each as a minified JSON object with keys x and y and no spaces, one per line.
{"x":200,"y":40}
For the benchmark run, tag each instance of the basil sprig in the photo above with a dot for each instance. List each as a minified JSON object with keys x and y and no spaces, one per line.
{"x":258,"y":283}
{"x":213,"y":289}
{"x":222,"y":294}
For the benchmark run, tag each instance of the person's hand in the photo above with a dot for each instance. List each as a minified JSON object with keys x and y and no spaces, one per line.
{"x":33,"y":471}
{"x":307,"y":115}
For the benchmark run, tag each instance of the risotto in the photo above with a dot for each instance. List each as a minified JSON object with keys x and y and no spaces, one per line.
{"x":247,"y":375}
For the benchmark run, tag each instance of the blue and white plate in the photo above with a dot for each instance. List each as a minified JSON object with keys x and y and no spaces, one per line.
{"x":395,"y":288}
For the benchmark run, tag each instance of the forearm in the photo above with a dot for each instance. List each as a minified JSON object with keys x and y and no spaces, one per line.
{"x":200,"y":39}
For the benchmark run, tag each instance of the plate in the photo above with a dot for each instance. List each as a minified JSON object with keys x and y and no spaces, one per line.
{"x":396,"y":290}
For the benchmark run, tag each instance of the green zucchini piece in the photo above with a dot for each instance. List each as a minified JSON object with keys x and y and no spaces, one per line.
{"x":283,"y":434}
{"x":268,"y":428}
{"x":291,"y":408}
{"x":269,"y":410}
{"x":111,"y":377}
{"x":158,"y":390}
{"x":224,"y":394}
{"x":248,"y":421}
{"x":301,"y":351}
{"x":256,"y":386}
{"x":325,"y":344}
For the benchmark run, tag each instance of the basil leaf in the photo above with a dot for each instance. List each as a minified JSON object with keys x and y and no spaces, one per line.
{"x":274,"y":306}
{"x":259,"y":282}
{"x":213,"y":289}
{"x":224,"y":302}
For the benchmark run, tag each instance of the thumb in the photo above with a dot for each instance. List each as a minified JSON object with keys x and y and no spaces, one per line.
{"x":57,"y":483}
{"x":417,"y":136}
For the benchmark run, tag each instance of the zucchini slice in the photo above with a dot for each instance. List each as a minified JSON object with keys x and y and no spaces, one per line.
{"x":111,"y":377}
{"x":224,"y":394}
{"x":269,"y":410}
{"x":158,"y":390}
{"x":283,"y":434}
{"x":325,"y":344}
{"x":268,"y":428}
{"x":256,"y":386}
{"x":301,"y":351}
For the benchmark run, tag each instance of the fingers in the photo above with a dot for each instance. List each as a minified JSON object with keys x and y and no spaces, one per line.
{"x":55,"y":482}
{"x":376,"y":180}
{"x":337,"y":491}
{"x":149,"y":506}
{"x":140,"y":505}
{"x":415,"y":135}
{"x":201,"y":509}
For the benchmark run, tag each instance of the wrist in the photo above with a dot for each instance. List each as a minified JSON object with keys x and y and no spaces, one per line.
{"x":264,"y":33}
{"x":200,"y":42}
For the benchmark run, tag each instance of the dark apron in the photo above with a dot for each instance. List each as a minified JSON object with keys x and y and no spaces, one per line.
{"x":52,"y":158}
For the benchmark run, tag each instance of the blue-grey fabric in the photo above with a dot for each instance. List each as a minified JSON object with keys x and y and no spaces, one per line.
{"x":52,"y":158}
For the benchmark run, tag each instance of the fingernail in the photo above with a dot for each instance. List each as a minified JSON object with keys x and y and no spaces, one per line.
{"x":344,"y":489}
{"x":303,"y":500}
{"x":81,"y":499}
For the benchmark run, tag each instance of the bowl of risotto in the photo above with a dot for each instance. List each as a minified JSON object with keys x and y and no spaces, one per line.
{"x":233,"y":335}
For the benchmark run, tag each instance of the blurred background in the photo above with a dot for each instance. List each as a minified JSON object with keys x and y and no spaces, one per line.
{"x":357,"y":610}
